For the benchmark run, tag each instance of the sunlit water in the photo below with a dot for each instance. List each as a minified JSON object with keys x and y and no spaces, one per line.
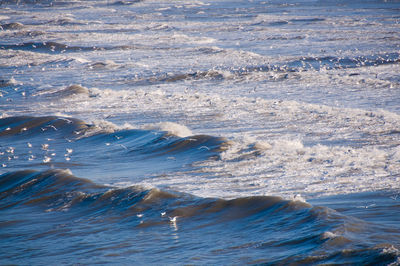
{"x":195,"y":132}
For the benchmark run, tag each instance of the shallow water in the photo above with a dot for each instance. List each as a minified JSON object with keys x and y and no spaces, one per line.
{"x":220,"y":132}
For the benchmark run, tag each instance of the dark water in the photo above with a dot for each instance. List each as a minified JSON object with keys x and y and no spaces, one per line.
{"x":199,"y":132}
{"x":54,"y":216}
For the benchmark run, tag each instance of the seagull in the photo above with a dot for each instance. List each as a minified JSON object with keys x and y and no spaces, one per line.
{"x":173,"y":219}
{"x":67,"y":120}
{"x":123,"y":146}
{"x":204,"y":147}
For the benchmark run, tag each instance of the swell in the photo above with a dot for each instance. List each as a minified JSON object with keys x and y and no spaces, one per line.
{"x":59,"y":189}
{"x":291,"y":21}
{"x":171,"y":77}
{"x":331,"y":62}
{"x":46,"y":47}
{"x":30,"y":126}
{"x":328,"y":63}
{"x":159,"y":139}
{"x":52,"y":141}
{"x":255,"y":225}
{"x":11,"y":26}
{"x":124,"y":3}
{"x":294,"y":66}
{"x":151,"y":143}
{"x":55,"y":47}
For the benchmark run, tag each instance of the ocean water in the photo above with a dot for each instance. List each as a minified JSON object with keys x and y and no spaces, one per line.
{"x":200,"y":132}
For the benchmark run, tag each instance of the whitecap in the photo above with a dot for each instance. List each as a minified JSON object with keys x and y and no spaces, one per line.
{"x":172,"y":128}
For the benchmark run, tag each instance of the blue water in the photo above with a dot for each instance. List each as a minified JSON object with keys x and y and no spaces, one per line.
{"x":200,"y":132}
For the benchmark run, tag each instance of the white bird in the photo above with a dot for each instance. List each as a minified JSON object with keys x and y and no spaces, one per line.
{"x":67,"y":120}
{"x":53,"y":127}
{"x":173,"y":219}
{"x":123,"y":146}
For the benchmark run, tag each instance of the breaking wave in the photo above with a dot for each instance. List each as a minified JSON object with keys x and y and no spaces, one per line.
{"x":82,"y":212}
{"x":67,"y":142}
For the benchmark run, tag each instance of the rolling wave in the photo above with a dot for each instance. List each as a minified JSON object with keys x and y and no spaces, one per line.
{"x":59,"y":189}
{"x":28,"y":125}
{"x":55,"y":47}
{"x":58,"y":203}
{"x":11,"y":26}
{"x":46,"y":47}
{"x":330,"y":62}
{"x":53,"y":141}
{"x":167,"y":138}
{"x":284,"y":70}
{"x":171,"y":77}
{"x":125,"y":3}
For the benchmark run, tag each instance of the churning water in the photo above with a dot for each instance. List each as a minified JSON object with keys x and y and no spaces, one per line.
{"x":200,"y":132}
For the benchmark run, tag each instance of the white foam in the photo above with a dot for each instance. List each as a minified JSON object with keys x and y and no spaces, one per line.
{"x":27,"y":58}
{"x":80,"y":60}
{"x":103,"y":126}
{"x":329,"y":235}
{"x":298,"y":198}
{"x":286,"y":170}
{"x":65,"y":171}
{"x":391,"y":250}
{"x":396,"y":153}
{"x":281,"y":143}
{"x":9,"y":82}
{"x":277,"y":147}
{"x":172,"y":128}
{"x":396,"y":263}
{"x":62,"y":115}
{"x":109,"y":127}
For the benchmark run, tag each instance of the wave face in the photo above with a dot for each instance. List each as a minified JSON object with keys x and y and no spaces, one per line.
{"x":199,"y":132}
{"x":66,"y":216}
{"x":44,"y":142}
